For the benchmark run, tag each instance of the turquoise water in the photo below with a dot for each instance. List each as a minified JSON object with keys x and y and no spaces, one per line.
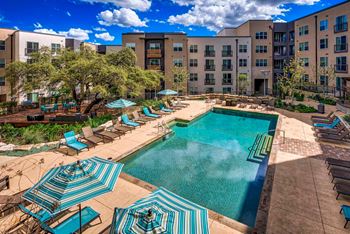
{"x":206,"y":163}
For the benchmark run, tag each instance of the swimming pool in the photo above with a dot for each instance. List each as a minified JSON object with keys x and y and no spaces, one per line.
{"x":206,"y":162}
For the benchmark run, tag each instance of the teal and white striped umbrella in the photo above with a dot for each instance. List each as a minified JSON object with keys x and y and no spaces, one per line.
{"x":161,"y":212}
{"x":120,"y":104}
{"x":167,"y":92}
{"x":65,"y":186}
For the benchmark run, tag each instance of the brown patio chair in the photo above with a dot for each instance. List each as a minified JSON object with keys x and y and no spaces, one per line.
{"x":330,"y":120}
{"x":342,"y":189}
{"x":334,"y":131}
{"x":337,"y":162}
{"x":341,"y":138}
{"x":320,"y":117}
{"x":4,"y":183}
{"x":137,"y":117}
{"x":338,"y":173}
{"x":90,"y":136}
{"x":158,"y":112}
{"x":118,"y":127}
{"x":9,"y":203}
{"x":166,"y":104}
{"x":174,"y":104}
{"x":108,"y":134}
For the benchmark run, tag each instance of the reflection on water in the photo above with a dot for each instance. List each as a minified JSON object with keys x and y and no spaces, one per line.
{"x":206,"y":163}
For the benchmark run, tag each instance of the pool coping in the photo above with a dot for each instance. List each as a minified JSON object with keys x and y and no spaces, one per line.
{"x":264,"y":203}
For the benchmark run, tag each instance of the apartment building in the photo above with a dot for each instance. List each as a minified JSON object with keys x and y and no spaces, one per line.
{"x":160,"y":52}
{"x":215,"y":63}
{"x":108,"y":49}
{"x":322,"y":41}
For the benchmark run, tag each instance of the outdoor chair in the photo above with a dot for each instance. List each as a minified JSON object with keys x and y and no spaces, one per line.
{"x":334,"y":131}
{"x":334,"y":138}
{"x":43,"y":109}
{"x":170,"y":107}
{"x":72,"y":224}
{"x":128,"y":122}
{"x":173,"y":103}
{"x":342,"y":189}
{"x":90,"y":136}
{"x":158,"y":112}
{"x":118,"y":127}
{"x":149,"y":114}
{"x":4,"y":183}
{"x":337,"y":162}
{"x":41,"y":215}
{"x":137,"y":116}
{"x":338,"y":173}
{"x":73,"y":143}
{"x":108,"y":134}
{"x":162,"y":108}
{"x":9,"y":203}
{"x":345,"y":210}
{"x":329,"y":126}
{"x":320,"y":118}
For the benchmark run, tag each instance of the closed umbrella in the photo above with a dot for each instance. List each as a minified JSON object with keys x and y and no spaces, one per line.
{"x":161,"y":212}
{"x":167,"y":92}
{"x":120,"y":104}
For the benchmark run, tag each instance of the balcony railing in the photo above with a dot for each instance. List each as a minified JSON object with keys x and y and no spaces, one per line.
{"x":209,"y":82}
{"x":28,"y":51}
{"x":154,"y":67}
{"x":209,"y":53}
{"x":343,"y":27}
{"x":227,"y":53}
{"x":209,"y":67}
{"x":341,"y":68}
{"x":338,"y":48}
{"x":154,"y":53}
{"x":227,"y":67}
{"x":226,"y":82}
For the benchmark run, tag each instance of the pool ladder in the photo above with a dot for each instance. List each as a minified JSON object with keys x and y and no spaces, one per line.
{"x":163,"y":127}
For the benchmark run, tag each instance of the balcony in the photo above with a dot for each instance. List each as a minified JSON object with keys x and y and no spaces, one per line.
{"x":209,"y":82}
{"x":341,"y":68}
{"x":339,"y":48}
{"x":226,"y":82}
{"x":227,"y":53}
{"x":154,"y":53}
{"x":209,"y":67}
{"x":28,"y":51}
{"x":343,"y":27}
{"x":227,"y":67}
{"x":209,"y":53}
{"x":154,"y":67}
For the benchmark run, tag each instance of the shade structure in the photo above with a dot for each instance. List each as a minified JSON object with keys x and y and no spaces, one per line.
{"x":65,"y":186}
{"x":120,"y":104}
{"x":167,"y":92}
{"x":161,"y":212}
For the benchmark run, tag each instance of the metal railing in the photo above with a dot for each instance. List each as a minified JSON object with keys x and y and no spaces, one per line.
{"x":227,"y":53}
{"x":209,"y":53}
{"x":342,"y":27}
{"x":339,"y":48}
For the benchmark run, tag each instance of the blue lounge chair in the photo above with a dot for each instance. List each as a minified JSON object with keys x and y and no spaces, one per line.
{"x":345,"y":209}
{"x":329,"y":126}
{"x":72,"y":224}
{"x":162,"y":108}
{"x":148,"y":114}
{"x":128,"y":122}
{"x":72,"y":142}
{"x":43,"y":108}
{"x":55,"y":107}
{"x":42,"y":215}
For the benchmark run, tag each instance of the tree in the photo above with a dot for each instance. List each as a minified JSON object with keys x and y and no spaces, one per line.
{"x":180,"y":78}
{"x":328,"y":73}
{"x":242,"y":83}
{"x":15,"y":73}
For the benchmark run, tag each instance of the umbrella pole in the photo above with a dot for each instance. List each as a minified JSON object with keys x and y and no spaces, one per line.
{"x":80,"y":218}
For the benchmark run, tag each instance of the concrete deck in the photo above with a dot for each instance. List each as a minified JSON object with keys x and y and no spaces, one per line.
{"x":301,"y":200}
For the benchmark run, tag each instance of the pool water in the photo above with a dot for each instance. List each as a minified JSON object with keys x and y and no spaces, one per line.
{"x":206,"y":162}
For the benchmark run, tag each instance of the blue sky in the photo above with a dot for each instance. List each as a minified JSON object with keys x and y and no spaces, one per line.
{"x":103,"y":21}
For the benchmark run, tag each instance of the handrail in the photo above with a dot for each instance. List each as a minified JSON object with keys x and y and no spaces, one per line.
{"x":279,"y":130}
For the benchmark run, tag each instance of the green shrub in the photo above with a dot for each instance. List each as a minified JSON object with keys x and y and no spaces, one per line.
{"x":304,"y":109}
{"x":301,"y":108}
{"x":153,"y":103}
{"x":299,"y":96}
{"x":347,"y":118}
{"x":324,"y":100}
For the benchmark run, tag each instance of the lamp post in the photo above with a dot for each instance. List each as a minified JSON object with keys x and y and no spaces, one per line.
{"x":265,"y":74}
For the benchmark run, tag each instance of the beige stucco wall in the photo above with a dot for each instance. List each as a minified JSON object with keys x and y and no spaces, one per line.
{"x":140,"y":46}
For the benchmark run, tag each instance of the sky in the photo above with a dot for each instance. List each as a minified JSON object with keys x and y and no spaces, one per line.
{"x":104,"y":21}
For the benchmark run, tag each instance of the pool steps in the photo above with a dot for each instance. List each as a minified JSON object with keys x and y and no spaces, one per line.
{"x":261,"y":148}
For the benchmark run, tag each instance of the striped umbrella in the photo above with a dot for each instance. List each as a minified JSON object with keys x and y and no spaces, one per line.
{"x":120,"y":104}
{"x":167,"y":92}
{"x":65,"y":186}
{"x":161,"y":212}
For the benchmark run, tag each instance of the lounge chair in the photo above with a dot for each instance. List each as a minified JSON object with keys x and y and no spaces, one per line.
{"x":179,"y":102}
{"x":158,"y":112}
{"x":171,"y":107}
{"x":325,"y":121}
{"x":43,"y":109}
{"x":41,"y":216}
{"x":334,"y":138}
{"x":138,"y":118}
{"x":329,"y":125}
{"x":320,"y":117}
{"x":128,"y":122}
{"x":90,"y":136}
{"x":72,"y":224}
{"x":9,"y":203}
{"x":110,"y":135}
{"x":337,"y":162}
{"x":4,"y":183}
{"x":173,"y":104}
{"x":339,"y":174}
{"x":334,"y":131}
{"x":149,"y":114}
{"x":73,"y":143}
{"x":162,"y":108}
{"x":342,"y":189}
{"x":345,"y":210}
{"x":119,"y":128}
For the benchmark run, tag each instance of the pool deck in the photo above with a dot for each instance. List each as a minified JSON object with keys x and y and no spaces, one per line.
{"x":299,"y":195}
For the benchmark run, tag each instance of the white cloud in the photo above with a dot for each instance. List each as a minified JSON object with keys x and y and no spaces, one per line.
{"x":217,"y":14}
{"x":45,"y":30}
{"x":68,"y":13}
{"x":123,"y":18}
{"x":140,"y":5}
{"x":279,"y":20}
{"x":99,"y":29}
{"x":37,"y":25}
{"x":15,"y":27}
{"x":105,"y":36}
{"x":76,"y":33}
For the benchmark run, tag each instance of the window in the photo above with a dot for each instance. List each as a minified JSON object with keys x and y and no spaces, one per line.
{"x":305,"y":62}
{"x":243,"y":48}
{"x":193,"y":77}
{"x":291,"y":50}
{"x":261,"y":35}
{"x":291,"y":36}
{"x":131,"y":45}
{"x":178,"y":63}
{"x":242,"y":62}
{"x":209,"y":51}
{"x":324,"y":43}
{"x":261,"y":62}
{"x":209,"y":79}
{"x":341,"y":64}
{"x":324,"y":61}
{"x":193,"y":90}
{"x":227,"y":79}
{"x":2,"y":45}
{"x":154,"y":46}
{"x":209,"y":90}
{"x":261,"y":49}
{"x":341,"y":24}
{"x":226,"y":64}
{"x":226,"y":50}
{"x":341,"y":44}
{"x":304,"y":46}
{"x":193,"y":48}
{"x":193,"y":62}
{"x":280,"y":50}
{"x":226,"y":90}
{"x":2,"y":63}
{"x":304,"y":30}
{"x":177,"y":47}
{"x":55,"y":48}
{"x":209,"y":64}
{"x":306,"y":78}
{"x":32,"y":47}
{"x":31,"y":61}
{"x":2,"y":81}
{"x":280,"y":37}
{"x":324,"y":80}
{"x":324,"y":25}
